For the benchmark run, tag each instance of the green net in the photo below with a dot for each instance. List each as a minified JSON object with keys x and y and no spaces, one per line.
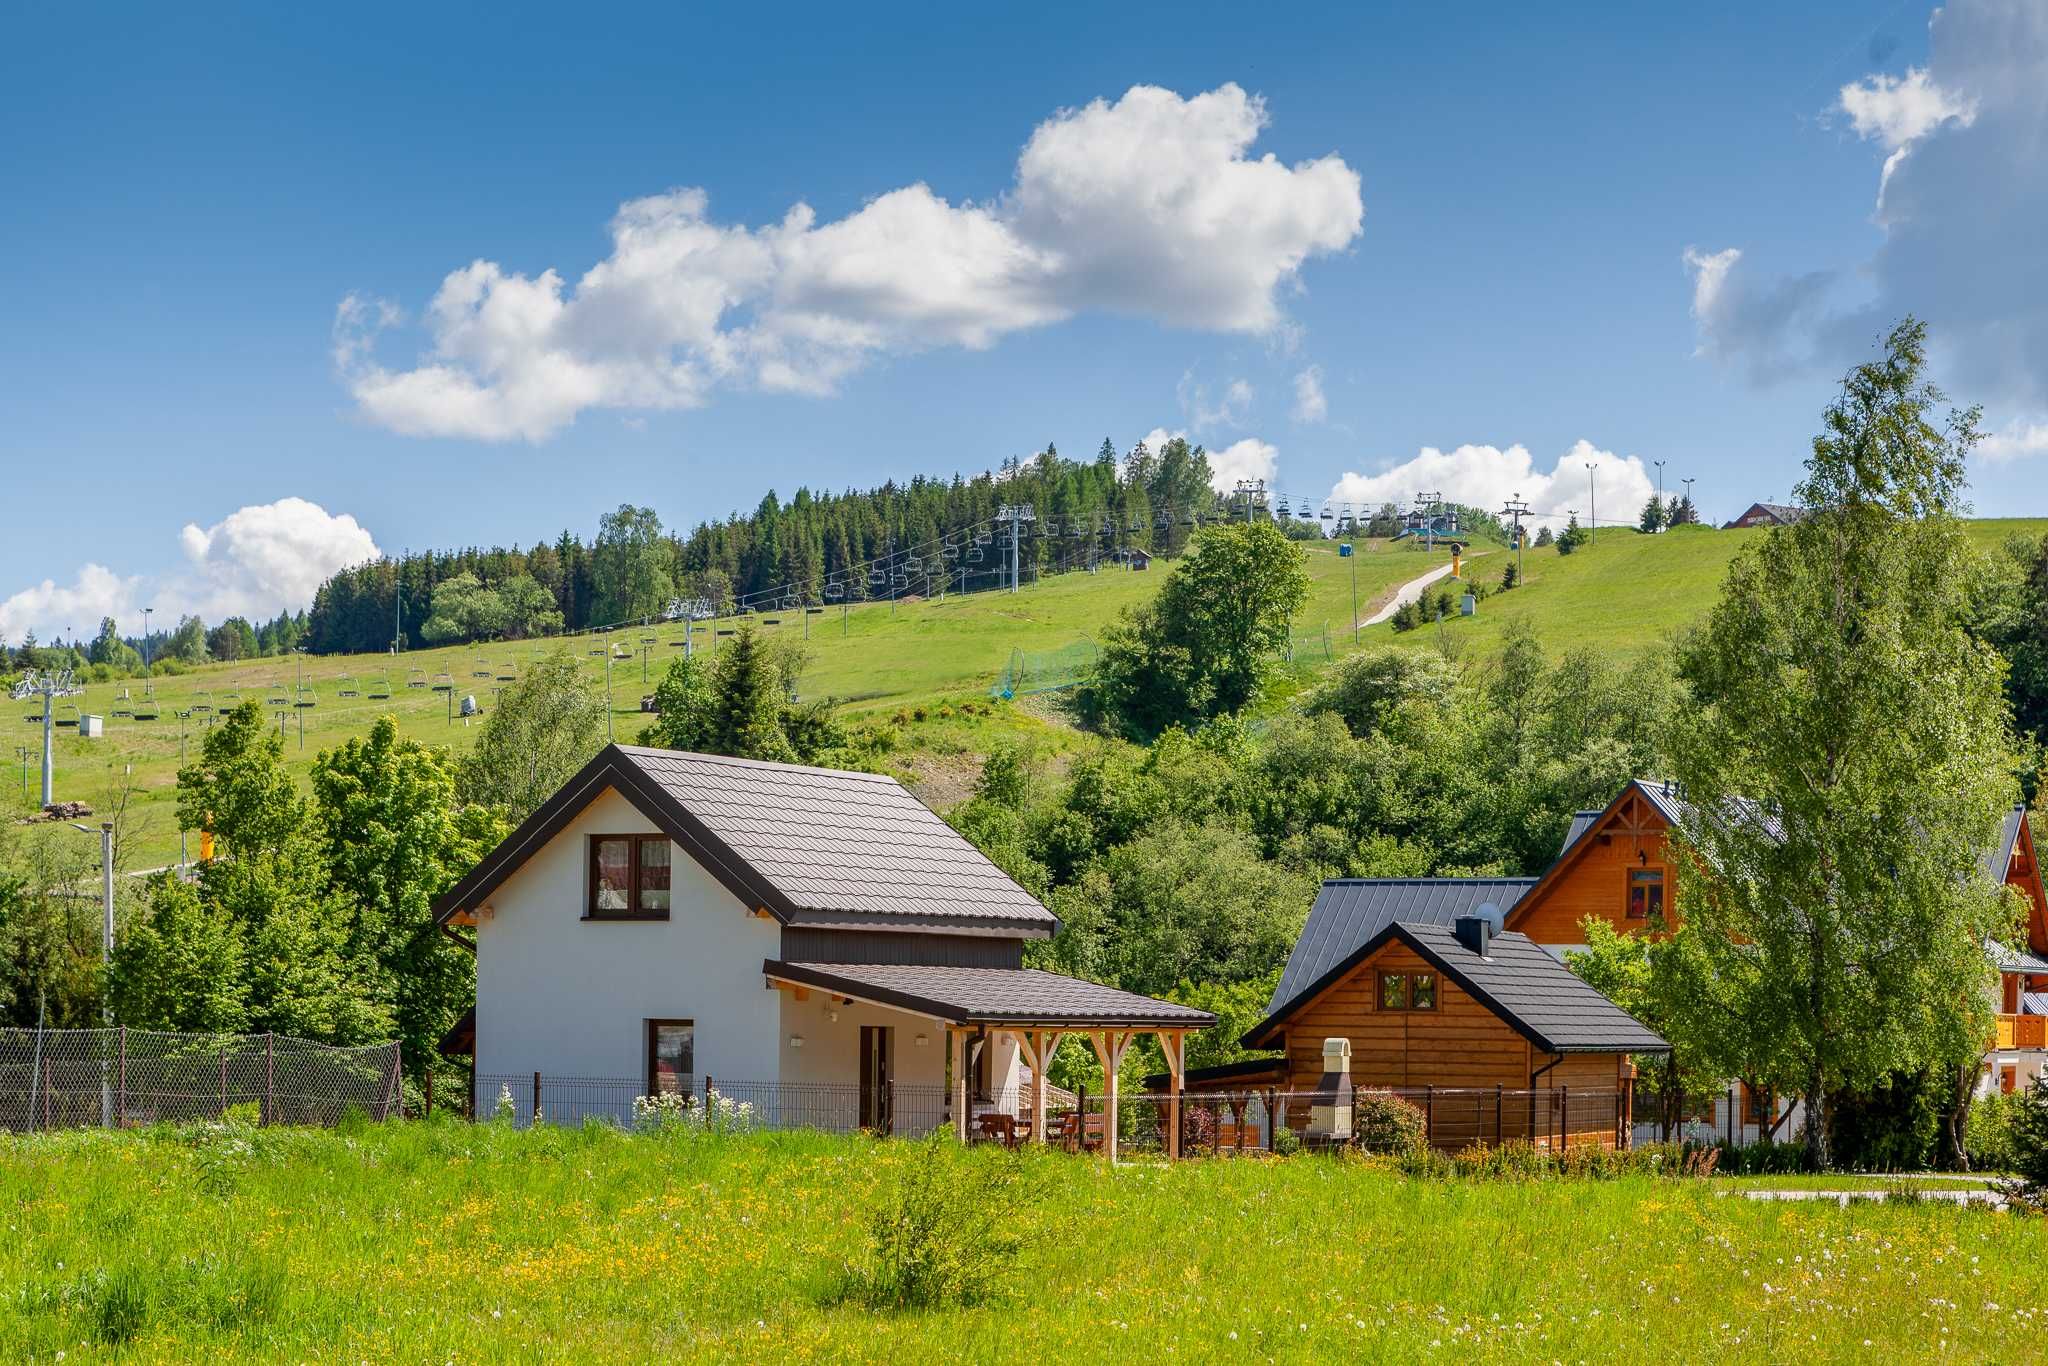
{"x":1035,"y":671}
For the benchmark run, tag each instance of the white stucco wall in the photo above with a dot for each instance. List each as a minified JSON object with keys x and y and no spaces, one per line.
{"x":570,"y":997}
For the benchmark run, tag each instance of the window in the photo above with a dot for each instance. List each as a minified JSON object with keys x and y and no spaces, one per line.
{"x":1645,"y":893}
{"x":1407,"y":991}
{"x":671,"y":1045}
{"x":629,"y":878}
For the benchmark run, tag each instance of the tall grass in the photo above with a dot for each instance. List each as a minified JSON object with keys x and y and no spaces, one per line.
{"x":438,"y":1241}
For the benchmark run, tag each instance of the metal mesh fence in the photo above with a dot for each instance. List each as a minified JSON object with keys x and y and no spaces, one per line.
{"x":1036,"y":671}
{"x":89,"y":1078}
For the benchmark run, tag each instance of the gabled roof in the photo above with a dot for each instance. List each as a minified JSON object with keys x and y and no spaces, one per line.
{"x":1540,"y":998}
{"x":2014,"y":960}
{"x":998,"y":996}
{"x":811,"y":846}
{"x":2034,"y":1003}
{"x":1350,"y":911}
{"x":1582,"y":821}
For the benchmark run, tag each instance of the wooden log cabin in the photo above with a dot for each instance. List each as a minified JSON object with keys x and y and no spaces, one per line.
{"x":1615,"y":864}
{"x":1482,"y":1029}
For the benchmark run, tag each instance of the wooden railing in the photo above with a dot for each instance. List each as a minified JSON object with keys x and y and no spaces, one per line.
{"x":2021,"y":1031}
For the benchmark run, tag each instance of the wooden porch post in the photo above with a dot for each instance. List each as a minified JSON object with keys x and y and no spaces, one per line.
{"x":956,"y":1039}
{"x":1038,"y":1045}
{"x":1109,"y":1051}
{"x":1173,"y":1043}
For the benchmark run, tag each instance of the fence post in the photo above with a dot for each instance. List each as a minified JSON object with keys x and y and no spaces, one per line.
{"x":269,"y":1078}
{"x":1731,"y":1116}
{"x":46,"y":1093}
{"x":223,"y":1083}
{"x":535,"y":1117}
{"x":121,"y":1081}
{"x":397,"y":1095}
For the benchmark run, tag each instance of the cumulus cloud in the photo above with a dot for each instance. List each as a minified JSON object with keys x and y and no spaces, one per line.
{"x":1150,"y":206}
{"x":255,"y":562}
{"x":1250,"y":458}
{"x":1309,"y":403}
{"x":1487,"y":476}
{"x":1962,"y":193}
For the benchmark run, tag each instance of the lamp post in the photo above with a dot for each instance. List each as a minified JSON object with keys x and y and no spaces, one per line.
{"x":1592,"y":504}
{"x":106,"y":834}
{"x":1688,"y":497}
{"x":1664,"y":517}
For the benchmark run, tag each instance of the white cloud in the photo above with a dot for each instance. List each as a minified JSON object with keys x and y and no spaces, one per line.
{"x":1962,"y":194}
{"x":1206,"y":413}
{"x":1487,"y":476}
{"x":1894,"y":110}
{"x":1150,"y":206}
{"x":1309,"y":403}
{"x":2015,"y":441}
{"x":51,"y":609}
{"x":1159,"y":436}
{"x":255,"y":562}
{"x":1250,"y":458}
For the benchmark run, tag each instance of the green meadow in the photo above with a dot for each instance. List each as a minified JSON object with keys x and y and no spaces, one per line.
{"x":1621,"y":594}
{"x":443,"y":1241}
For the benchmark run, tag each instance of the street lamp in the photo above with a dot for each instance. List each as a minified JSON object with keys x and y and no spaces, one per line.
{"x":106,"y":834}
{"x":1592,"y":505}
{"x":1663,"y":517}
{"x":1688,"y":497}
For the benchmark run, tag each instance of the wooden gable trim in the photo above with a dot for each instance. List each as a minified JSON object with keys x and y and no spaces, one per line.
{"x":1631,"y":815}
{"x":611,"y":770}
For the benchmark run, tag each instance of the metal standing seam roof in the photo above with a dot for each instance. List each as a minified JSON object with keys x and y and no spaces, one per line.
{"x":835,"y":841}
{"x":1349,"y":912}
{"x":991,"y":995}
{"x":1529,"y":988}
{"x":2034,"y":1003}
{"x":2014,"y":960}
{"x":813,"y":846}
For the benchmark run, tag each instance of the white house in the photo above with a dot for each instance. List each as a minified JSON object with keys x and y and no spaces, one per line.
{"x":813,"y":941}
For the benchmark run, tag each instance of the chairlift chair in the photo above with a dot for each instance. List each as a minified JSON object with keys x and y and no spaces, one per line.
{"x":305,"y":697}
{"x":381,"y":689}
{"x":983,"y":538}
{"x":203,"y":706}
{"x":598,"y":651}
{"x":974,"y":555}
{"x":443,"y":683}
{"x":507,"y":672}
{"x":834,"y":592}
{"x":876,"y":578}
{"x":415,"y":678}
{"x":481,"y":671}
{"x":145,"y":710}
{"x":275,"y":696}
{"x":1328,"y":514}
{"x":950,"y":551}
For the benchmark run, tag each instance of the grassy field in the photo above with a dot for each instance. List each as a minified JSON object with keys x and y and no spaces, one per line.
{"x":441,"y":1242}
{"x":1623,"y":593}
{"x":872,"y":658}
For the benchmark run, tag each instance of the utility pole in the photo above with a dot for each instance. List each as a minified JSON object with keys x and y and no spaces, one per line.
{"x":47,"y":685}
{"x":1592,"y":503}
{"x":1517,"y":509}
{"x":1664,"y":513}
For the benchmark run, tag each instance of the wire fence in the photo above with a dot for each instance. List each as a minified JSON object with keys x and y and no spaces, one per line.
{"x":1211,"y":1122}
{"x":123,"y":1078}
{"x":1037,"y":671}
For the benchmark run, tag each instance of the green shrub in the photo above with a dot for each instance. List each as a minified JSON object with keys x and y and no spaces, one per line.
{"x":1382,"y":1122}
{"x":947,"y":1234}
{"x":248,"y":1114}
{"x":2027,"y":1132}
{"x":1988,"y":1138}
{"x":1286,"y":1142}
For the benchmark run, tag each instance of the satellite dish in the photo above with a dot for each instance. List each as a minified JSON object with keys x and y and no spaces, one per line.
{"x":1493,"y":913}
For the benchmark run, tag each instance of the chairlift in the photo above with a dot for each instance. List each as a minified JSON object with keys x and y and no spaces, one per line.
{"x":482,"y":672}
{"x":876,"y":578}
{"x":834,"y":592}
{"x":381,"y":689}
{"x":950,"y":551}
{"x":974,"y":555}
{"x":1285,"y":510}
{"x":1328,"y":514}
{"x":306,"y":697}
{"x":276,"y":696}
{"x":443,"y":683}
{"x":983,"y":538}
{"x":416,"y":678}
{"x":507,"y":673}
{"x":598,"y":651}
{"x":723,"y":631}
{"x":771,"y":621}
{"x":644,"y":640}
{"x":813,"y":611}
{"x":146,"y":710}
{"x":1162,"y":521}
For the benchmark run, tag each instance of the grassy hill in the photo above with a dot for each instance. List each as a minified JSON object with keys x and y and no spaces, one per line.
{"x":1622,"y":593}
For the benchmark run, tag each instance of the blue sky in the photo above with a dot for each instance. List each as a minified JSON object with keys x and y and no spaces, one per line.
{"x":190,"y":197}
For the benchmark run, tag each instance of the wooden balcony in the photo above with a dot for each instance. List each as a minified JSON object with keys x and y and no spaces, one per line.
{"x":2021,"y":1031}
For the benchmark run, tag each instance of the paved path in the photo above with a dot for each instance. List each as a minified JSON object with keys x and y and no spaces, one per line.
{"x":1956,"y":1196}
{"x":1405,"y":594}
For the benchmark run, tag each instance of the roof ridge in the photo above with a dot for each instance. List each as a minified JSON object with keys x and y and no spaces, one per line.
{"x":1420,"y":881}
{"x":736,"y":762}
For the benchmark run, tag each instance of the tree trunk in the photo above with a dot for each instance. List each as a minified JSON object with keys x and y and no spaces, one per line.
{"x":1954,"y":1154}
{"x":1816,"y":1118}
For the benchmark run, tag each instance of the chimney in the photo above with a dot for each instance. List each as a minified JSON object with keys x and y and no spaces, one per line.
{"x":1329,"y":1118}
{"x":1475,"y":932}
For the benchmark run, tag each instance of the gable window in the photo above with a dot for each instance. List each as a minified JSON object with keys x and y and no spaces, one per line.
{"x":629,"y":878}
{"x":671,"y":1046}
{"x":1645,"y":893}
{"x":1407,"y":991}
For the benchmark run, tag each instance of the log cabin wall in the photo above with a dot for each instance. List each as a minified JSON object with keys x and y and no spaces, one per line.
{"x":1595,"y":877}
{"x":1460,"y":1043}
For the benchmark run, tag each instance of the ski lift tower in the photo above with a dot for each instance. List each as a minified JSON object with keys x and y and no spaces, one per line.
{"x":1429,"y":502}
{"x":1016,"y":514}
{"x":1517,"y":508}
{"x":49,"y":685}
{"x":1253,"y":491}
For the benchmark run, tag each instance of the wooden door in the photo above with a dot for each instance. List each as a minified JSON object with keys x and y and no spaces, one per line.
{"x":876,"y":1048}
